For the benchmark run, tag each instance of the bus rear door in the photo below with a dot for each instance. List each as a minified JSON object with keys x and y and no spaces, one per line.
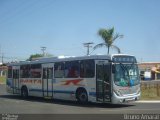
{"x":47,"y":84}
{"x":103,"y":81}
{"x":15,"y":82}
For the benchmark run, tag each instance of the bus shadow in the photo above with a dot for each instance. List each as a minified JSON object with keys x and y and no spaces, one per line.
{"x":66,"y":102}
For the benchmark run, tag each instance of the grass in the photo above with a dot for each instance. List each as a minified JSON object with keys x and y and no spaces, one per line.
{"x":150,"y":92}
{"x":2,"y":79}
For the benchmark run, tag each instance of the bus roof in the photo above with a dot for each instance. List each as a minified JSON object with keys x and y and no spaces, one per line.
{"x":59,"y":59}
{"x":64,"y":58}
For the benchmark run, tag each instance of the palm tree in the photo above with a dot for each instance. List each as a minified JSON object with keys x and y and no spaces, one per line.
{"x":109,"y":37}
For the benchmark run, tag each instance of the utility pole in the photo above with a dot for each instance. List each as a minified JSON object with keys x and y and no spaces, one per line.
{"x":43,"y":50}
{"x":2,"y":54}
{"x":88,"y":45}
{"x":2,"y":57}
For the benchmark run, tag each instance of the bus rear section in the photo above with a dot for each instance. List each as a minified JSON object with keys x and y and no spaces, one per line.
{"x":12,"y":82}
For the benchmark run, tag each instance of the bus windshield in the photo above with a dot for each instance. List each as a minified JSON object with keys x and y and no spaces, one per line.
{"x":126,"y":74}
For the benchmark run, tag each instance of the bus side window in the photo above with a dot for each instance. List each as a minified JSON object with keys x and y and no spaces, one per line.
{"x":59,"y":70}
{"x":35,"y":71}
{"x":72,"y":69}
{"x":25,"y":71}
{"x":87,"y":68}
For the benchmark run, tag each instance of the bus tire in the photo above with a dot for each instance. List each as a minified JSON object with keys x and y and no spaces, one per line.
{"x":24,"y":92}
{"x":82,"y":96}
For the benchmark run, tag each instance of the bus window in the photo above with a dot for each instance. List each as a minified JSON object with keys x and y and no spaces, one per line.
{"x":87,"y":68}
{"x":47,"y":73}
{"x":50,"y":73}
{"x":59,"y":70}
{"x":9,"y":72}
{"x":36,"y":71}
{"x":72,"y":69}
{"x":15,"y":74}
{"x":25,"y":71}
{"x":44,"y":73}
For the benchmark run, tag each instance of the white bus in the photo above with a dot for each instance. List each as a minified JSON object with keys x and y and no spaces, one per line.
{"x":98,"y":78}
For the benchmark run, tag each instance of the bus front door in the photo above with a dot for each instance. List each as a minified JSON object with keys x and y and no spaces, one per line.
{"x":103,"y":81}
{"x":47,"y":85}
{"x":15,"y":84}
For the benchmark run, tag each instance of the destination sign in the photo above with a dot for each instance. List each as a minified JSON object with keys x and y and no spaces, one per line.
{"x":124,"y":59}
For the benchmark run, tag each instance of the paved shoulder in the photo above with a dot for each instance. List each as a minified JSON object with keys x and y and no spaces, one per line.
{"x":148,"y":101}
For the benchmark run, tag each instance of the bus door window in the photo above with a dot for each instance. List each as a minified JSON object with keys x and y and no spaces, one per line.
{"x":47,"y":73}
{"x":44,"y":73}
{"x":9,"y":72}
{"x":50,"y":73}
{"x":15,"y":74}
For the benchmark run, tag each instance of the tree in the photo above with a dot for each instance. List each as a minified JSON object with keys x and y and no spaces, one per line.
{"x":34,"y":56}
{"x":109,"y":37}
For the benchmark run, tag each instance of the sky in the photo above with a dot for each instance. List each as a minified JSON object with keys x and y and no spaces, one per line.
{"x":62,"y":26}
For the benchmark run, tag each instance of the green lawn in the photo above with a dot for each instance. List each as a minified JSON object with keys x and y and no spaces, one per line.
{"x":150,"y":92}
{"x":2,"y":79}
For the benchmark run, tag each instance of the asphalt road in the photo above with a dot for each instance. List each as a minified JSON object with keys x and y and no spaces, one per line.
{"x":13,"y":104}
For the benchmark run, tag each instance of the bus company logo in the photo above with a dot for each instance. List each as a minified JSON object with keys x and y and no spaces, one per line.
{"x":31,"y":81}
{"x":123,"y":89}
{"x":73,"y":82}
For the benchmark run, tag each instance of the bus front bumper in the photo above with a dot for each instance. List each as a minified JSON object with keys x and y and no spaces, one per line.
{"x":125,"y":99}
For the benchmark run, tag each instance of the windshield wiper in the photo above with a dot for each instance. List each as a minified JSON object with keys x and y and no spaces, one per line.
{"x":131,"y":65}
{"x":123,"y":67}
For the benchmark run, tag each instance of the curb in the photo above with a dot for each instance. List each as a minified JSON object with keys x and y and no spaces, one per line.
{"x":148,"y":101}
{"x":2,"y":83}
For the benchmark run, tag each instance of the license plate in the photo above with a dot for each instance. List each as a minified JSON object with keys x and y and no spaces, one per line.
{"x":130,"y":99}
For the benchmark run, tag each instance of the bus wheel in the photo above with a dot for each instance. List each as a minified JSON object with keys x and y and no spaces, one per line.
{"x":82,"y":96}
{"x":24,"y":92}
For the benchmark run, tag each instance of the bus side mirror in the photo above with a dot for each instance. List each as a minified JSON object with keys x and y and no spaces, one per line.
{"x":113,"y":69}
